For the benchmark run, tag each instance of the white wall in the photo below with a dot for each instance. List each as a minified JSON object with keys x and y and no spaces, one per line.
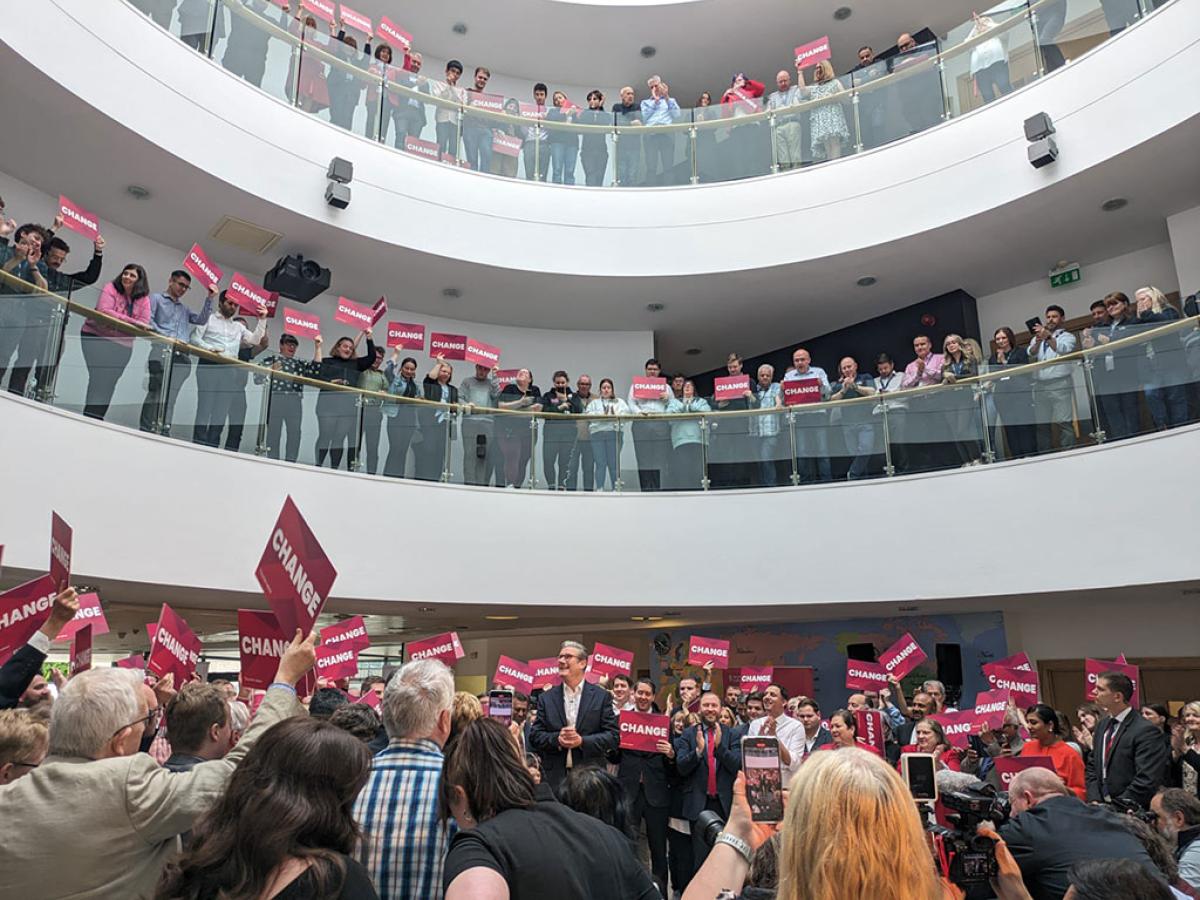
{"x":1184,"y":229}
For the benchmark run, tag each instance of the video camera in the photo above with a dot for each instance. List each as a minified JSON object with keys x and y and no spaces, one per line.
{"x":1132,"y":808}
{"x":969,"y":858}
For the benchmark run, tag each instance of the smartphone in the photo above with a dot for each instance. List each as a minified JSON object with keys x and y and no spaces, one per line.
{"x":917,"y":769}
{"x":764,"y":778}
{"x":1031,"y":324}
{"x":500,"y":706}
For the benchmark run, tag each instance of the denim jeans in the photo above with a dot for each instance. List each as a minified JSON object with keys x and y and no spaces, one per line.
{"x":562,"y":162}
{"x":478,"y":143}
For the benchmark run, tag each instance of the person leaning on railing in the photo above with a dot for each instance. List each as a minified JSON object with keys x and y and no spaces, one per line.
{"x":687,"y":439}
{"x":431,"y":457}
{"x":513,"y":432}
{"x":336,"y":418}
{"x":594,"y":150}
{"x":606,"y":433}
{"x":962,"y":413}
{"x":217,"y":381}
{"x":563,"y":142}
{"x":400,"y":378}
{"x":1161,"y":367}
{"x":107,"y":349}
{"x":1012,"y":397}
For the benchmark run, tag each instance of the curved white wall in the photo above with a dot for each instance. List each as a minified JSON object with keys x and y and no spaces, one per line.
{"x":1103,"y":517}
{"x":1125,"y":92}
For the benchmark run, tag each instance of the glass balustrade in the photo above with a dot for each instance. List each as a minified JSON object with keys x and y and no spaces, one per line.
{"x":303,"y":63}
{"x":64,"y":353}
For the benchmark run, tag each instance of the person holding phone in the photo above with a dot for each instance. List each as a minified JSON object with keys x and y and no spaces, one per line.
{"x":1054,"y":389}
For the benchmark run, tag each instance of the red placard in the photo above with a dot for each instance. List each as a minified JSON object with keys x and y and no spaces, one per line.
{"x":260,"y":644}
{"x":406,"y":335}
{"x":175,"y":648}
{"x":902,"y":657}
{"x":647,"y":388}
{"x":532,"y":110}
{"x":351,"y":313}
{"x":295,"y":573}
{"x":60,"y":551}
{"x":491,"y":102}
{"x":801,"y":391}
{"x":813,"y":52}
{"x":250,"y":296}
{"x":301,"y":324}
{"x":863,"y":675}
{"x":350,"y":633}
{"x":78,"y":219}
{"x":481,"y":354}
{"x":730,"y":387}
{"x":371,"y":699}
{"x":754,"y":678}
{"x":454,"y":161}
{"x":393,"y":33}
{"x":545,"y":672}
{"x":23,"y":610}
{"x":418,"y":147}
{"x":959,"y":726}
{"x":506,"y":144}
{"x":1094,"y":668}
{"x":198,"y":263}
{"x":1121,"y":660}
{"x":446,"y":647}
{"x":642,"y":731}
{"x":608,"y":660}
{"x":1016,"y":661}
{"x":449,"y":346}
{"x":322,"y":9}
{"x":513,"y":673}
{"x":132,"y":661}
{"x":336,"y":662}
{"x":357,"y":20}
{"x":991,"y":708}
{"x":1022,"y":684}
{"x":868,"y":728}
{"x":90,"y":613}
{"x":378,"y":310}
{"x":702,"y":649}
{"x":81,"y":650}
{"x":1008,"y":766}
{"x":505,"y":377}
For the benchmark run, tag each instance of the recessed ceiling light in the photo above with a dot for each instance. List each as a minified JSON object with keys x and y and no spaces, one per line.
{"x":637,"y":618}
{"x":866,"y":281}
{"x":1114,"y":204}
{"x":648,"y":51}
{"x":501,"y":618}
{"x":425,"y":609}
{"x":459,"y":27}
{"x":451,"y":293}
{"x":842,"y":13}
{"x":137,"y":192}
{"x":692,"y":351}
{"x":656,"y":307}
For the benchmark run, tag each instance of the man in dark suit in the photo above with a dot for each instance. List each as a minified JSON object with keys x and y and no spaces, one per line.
{"x":709,"y":758}
{"x":575,"y":723}
{"x":20,"y":669}
{"x":1051,"y":830}
{"x":643,"y":777}
{"x":1129,"y":757}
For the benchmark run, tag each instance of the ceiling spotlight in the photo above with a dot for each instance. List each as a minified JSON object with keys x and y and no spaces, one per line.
{"x":866,"y":281}
{"x":648,"y":51}
{"x":459,"y":27}
{"x":842,"y":13}
{"x":451,"y":293}
{"x":655,"y":307}
{"x":501,"y":618}
{"x":1114,"y":204}
{"x":692,"y":351}
{"x":137,"y":192}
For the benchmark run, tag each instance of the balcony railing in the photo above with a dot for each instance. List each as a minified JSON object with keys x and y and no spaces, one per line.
{"x":311,"y":70}
{"x":133,"y":377}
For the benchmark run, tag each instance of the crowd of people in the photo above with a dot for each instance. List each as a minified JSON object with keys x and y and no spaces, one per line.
{"x":1025,"y":411}
{"x":173,"y":791}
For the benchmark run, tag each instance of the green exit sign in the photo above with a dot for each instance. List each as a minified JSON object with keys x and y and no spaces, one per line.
{"x":1066,"y":275}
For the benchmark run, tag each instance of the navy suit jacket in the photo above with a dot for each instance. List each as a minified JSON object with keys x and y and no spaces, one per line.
{"x":693,"y":767}
{"x":1139,"y":765}
{"x":596,"y":723}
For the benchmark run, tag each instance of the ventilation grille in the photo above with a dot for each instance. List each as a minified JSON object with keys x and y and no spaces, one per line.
{"x":245,"y":235}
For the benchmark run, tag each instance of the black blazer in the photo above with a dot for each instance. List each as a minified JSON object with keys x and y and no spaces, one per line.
{"x":596,"y":723}
{"x":17,"y":672}
{"x":1049,"y":838}
{"x":433,"y":390}
{"x":649,"y":769}
{"x":1139,"y":764}
{"x":693,"y":766}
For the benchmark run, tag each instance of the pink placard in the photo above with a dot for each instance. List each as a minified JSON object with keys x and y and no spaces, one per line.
{"x":991,"y":708}
{"x":406,"y":335}
{"x":23,"y":610}
{"x":295,"y":573}
{"x":446,"y":647}
{"x":90,"y":613}
{"x":868,"y":728}
{"x":393,"y":33}
{"x":371,"y":699}
{"x":132,"y":661}
{"x":1121,"y":660}
{"x":959,"y":726}
{"x":642,"y":731}
{"x":902,"y":657}
{"x":418,"y":147}
{"x":322,"y":9}
{"x":351,"y":313}
{"x":250,"y":296}
{"x":646,"y":388}
{"x":449,"y":346}
{"x":532,"y":110}
{"x":81,"y":650}
{"x":505,"y":377}
{"x":513,"y":673}
{"x":60,"y":551}
{"x":1008,"y":766}
{"x":730,"y":387}
{"x":453,"y":160}
{"x":813,"y":52}
{"x":755,"y":678}
{"x":1094,"y":668}
{"x":801,"y":391}
{"x":198,"y":263}
{"x":336,"y":662}
{"x":78,"y":219}
{"x":175,"y":649}
{"x":702,"y":649}
{"x":378,"y":310}
{"x":1016,"y":661}
{"x":350,"y":633}
{"x":491,"y":102}
{"x":357,"y":20}
{"x":862,"y":675}
{"x":608,"y":660}
{"x":545,"y":672}
{"x":481,"y":354}
{"x":506,"y":144}
{"x":260,"y":645}
{"x":1022,"y":684}
{"x":301,"y":324}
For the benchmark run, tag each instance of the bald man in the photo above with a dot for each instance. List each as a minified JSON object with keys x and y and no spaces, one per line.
{"x":857,"y":429}
{"x":789,"y":137}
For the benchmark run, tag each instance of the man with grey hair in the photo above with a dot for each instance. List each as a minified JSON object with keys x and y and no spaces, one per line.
{"x":937,"y":692}
{"x":125,"y":811}
{"x":1177,"y":817}
{"x":404,"y":840}
{"x":575,"y":723}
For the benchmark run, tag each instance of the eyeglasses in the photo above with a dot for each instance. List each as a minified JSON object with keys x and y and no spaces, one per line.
{"x":151,"y":719}
{"x":27,"y":765}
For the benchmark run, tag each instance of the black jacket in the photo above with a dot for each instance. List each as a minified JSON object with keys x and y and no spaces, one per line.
{"x":596,"y":723}
{"x":17,"y":672}
{"x":433,"y":390}
{"x":334,"y":368}
{"x":638,"y":768}
{"x":693,"y":766}
{"x":1059,"y":832}
{"x":1138,"y":766}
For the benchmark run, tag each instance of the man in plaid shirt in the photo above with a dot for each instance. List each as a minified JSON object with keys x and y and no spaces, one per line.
{"x":404,"y":843}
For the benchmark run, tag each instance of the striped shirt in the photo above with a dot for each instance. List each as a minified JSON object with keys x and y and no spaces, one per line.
{"x":404,"y":845}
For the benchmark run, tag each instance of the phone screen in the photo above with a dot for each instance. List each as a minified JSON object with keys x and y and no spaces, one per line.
{"x":764,"y":780}
{"x":1033,"y":323}
{"x":918,"y":775}
{"x":500,"y":706}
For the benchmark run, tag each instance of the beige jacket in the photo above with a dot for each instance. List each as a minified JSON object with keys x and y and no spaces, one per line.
{"x":80,"y":828}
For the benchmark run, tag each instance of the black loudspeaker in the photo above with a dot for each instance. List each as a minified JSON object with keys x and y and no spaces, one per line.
{"x":297,"y":278}
{"x":949,"y":665}
{"x":861,"y":652}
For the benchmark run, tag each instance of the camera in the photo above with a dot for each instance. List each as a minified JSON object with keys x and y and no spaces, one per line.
{"x":1190,"y":307}
{"x":971,"y":857}
{"x":1132,"y":808}
{"x":709,"y":825}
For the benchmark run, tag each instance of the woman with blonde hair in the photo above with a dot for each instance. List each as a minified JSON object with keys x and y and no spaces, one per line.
{"x":962,"y":410}
{"x":829,"y":132}
{"x":1161,"y":367}
{"x":1185,"y":749}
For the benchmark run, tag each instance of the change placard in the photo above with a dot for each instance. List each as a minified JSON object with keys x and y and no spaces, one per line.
{"x":608,"y":660}
{"x":1022,"y":684}
{"x":250,"y":296}
{"x":1008,"y":766}
{"x":23,"y":610}
{"x":868,"y":728}
{"x":260,"y":645}
{"x":445,"y":647}
{"x":350,"y":633}
{"x":813,"y":52}
{"x":958,"y":726}
{"x":642,"y":731}
{"x":406,"y":335}
{"x":295,"y":573}
{"x":545,"y":672}
{"x":1094,"y":668}
{"x":755,"y":678}
{"x":301,"y":324}
{"x":801,"y":391}
{"x":90,"y":613}
{"x":175,"y":648}
{"x":336,"y":662}
{"x":393,"y":33}
{"x":647,"y":388}
{"x":356,"y":20}
{"x":447,"y":346}
{"x":78,"y":219}
{"x":419,"y":147}
{"x":60,"y":551}
{"x":991,"y":707}
{"x":481,"y":354}
{"x":204,"y":269}
{"x":902,"y":657}
{"x":730,"y":387}
{"x":865,"y":676}
{"x":81,"y":650}
{"x":703,"y":649}
{"x":514,"y":674}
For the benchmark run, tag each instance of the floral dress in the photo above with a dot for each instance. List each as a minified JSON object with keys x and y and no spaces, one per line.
{"x":828,"y":120}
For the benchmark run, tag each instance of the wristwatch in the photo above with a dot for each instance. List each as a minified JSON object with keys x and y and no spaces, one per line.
{"x":736,"y":843}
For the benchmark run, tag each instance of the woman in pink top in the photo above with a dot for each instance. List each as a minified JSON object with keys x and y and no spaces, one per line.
{"x":106,"y":349}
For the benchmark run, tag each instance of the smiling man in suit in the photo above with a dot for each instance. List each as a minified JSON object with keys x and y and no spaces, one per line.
{"x":575,"y":723}
{"x":709,"y":758}
{"x":1129,"y":759}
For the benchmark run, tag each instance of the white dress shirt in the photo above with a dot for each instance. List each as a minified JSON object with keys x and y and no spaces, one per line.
{"x":571,"y":698}
{"x":791,"y":735}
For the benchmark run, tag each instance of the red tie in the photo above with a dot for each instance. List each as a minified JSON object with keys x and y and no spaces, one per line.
{"x":712,"y":768}
{"x":1110,"y":740}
